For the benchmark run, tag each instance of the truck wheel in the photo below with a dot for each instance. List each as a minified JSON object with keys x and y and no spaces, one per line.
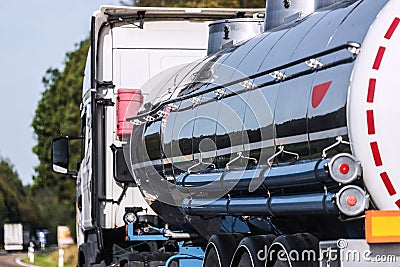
{"x":245,"y":260}
{"x":220,"y":250}
{"x":211,"y":258}
{"x":252,"y":251}
{"x":299,"y":250}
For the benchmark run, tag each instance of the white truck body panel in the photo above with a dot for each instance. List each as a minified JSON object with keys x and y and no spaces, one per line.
{"x":184,"y":35}
{"x":13,"y":236}
{"x":154,"y":61}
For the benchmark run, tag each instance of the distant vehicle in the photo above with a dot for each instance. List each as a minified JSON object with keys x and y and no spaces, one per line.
{"x":16,"y":236}
{"x":41,"y":236}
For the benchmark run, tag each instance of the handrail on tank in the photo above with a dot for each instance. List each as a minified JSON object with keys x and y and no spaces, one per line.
{"x":352,"y":47}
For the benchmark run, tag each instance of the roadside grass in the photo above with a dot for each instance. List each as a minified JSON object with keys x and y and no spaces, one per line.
{"x":51,"y":259}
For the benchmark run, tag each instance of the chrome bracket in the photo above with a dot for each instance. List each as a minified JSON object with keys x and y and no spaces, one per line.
{"x":314,"y":63}
{"x":161,"y":113}
{"x":219,"y":92}
{"x":201,"y":162}
{"x":172,"y":106}
{"x":248,"y":84}
{"x":282,"y":151}
{"x":149,"y":118}
{"x":137,"y":122}
{"x":339,"y":140}
{"x":195,"y":100}
{"x":354,"y":48}
{"x":278,"y":75}
{"x":239,"y":156}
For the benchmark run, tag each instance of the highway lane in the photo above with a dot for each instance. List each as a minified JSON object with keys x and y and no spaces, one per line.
{"x":8,"y":259}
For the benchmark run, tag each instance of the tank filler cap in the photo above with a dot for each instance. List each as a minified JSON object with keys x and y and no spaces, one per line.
{"x":280,"y":12}
{"x":344,"y":168}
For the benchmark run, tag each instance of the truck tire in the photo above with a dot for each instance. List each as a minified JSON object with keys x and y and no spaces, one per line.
{"x":220,"y":250}
{"x":288,"y":250}
{"x":252,"y":251}
{"x":245,"y":260}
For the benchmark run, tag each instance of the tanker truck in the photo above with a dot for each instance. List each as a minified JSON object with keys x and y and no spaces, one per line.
{"x":115,"y":224}
{"x":280,"y":150}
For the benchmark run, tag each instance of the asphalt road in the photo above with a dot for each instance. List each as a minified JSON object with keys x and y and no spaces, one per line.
{"x":8,"y":259}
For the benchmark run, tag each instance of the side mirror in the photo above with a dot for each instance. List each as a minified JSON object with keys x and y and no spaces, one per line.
{"x":60,"y":155}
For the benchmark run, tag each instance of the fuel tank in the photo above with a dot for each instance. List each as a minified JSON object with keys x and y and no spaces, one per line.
{"x":275,"y":105}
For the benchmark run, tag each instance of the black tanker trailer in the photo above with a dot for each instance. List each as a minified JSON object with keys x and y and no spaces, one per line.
{"x":287,"y":138}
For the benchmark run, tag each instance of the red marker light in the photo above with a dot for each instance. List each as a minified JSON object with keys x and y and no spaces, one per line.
{"x":351,"y":201}
{"x":344,"y":168}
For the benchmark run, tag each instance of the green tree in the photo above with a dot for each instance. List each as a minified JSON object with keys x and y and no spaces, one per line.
{"x":50,"y":212}
{"x":58,"y":114}
{"x":11,"y":193}
{"x":14,"y":198}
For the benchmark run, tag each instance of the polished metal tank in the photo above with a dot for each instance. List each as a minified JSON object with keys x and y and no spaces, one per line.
{"x":293,"y":89}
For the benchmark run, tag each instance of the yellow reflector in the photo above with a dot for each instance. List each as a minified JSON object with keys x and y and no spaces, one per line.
{"x":382,"y":226}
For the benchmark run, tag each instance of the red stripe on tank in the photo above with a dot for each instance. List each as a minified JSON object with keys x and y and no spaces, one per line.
{"x":388,"y":184}
{"x":376,"y":154}
{"x":371,"y":90}
{"x":370,"y":122}
{"x":398,"y":203}
{"x":392,"y":28}
{"x":378,"y":58}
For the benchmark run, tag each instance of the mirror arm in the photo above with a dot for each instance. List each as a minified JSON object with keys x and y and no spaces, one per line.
{"x":74,"y":175}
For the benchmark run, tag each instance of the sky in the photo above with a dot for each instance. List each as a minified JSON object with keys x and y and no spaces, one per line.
{"x":34,"y":36}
